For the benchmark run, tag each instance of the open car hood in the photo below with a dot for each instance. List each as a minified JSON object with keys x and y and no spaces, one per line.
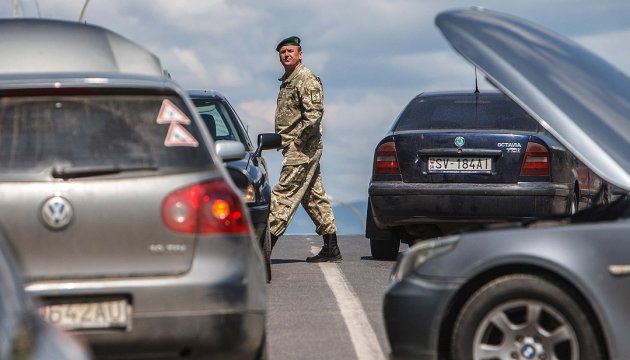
{"x":580,"y":98}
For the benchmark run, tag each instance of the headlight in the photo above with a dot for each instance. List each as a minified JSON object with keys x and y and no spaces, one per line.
{"x":249,"y":195}
{"x":420,"y":253}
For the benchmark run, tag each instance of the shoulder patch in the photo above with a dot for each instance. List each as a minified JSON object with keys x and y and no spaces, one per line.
{"x":316,"y":96}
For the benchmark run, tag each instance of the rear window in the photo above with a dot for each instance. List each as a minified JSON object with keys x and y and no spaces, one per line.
{"x":84,"y":131}
{"x":464,"y":114}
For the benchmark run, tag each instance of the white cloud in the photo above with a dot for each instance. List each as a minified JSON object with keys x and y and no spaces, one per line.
{"x":373,"y":56}
{"x":612,"y":46}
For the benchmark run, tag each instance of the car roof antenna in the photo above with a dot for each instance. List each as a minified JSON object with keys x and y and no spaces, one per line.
{"x":476,"y":87}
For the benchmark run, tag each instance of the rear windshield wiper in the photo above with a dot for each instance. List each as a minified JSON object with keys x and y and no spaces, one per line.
{"x":73,"y":172}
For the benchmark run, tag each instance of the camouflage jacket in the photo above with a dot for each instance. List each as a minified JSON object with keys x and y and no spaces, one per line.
{"x":299,"y":116}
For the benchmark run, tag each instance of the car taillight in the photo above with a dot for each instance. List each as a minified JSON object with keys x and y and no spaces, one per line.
{"x":536,"y":161}
{"x":386,"y":161}
{"x":205,"y":208}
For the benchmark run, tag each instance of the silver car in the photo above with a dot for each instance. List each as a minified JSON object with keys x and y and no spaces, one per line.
{"x":23,"y":333}
{"x":130,"y":230}
{"x":551,"y":289}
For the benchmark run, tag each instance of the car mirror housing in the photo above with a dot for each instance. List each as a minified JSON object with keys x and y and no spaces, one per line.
{"x":229,"y":150}
{"x":268,"y":141}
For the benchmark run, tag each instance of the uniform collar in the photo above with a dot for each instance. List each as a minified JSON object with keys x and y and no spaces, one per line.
{"x":284,"y":77}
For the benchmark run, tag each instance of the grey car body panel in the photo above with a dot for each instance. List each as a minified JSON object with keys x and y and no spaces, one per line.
{"x":579,"y":97}
{"x":206,"y":298}
{"x":23,"y":334}
{"x":567,"y":251}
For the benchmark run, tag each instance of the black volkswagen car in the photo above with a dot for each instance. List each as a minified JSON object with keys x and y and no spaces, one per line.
{"x":249,"y":173}
{"x":457,"y":160}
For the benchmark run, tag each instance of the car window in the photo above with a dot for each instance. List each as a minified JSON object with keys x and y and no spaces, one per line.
{"x":218,"y":119}
{"x":37,"y":132}
{"x":464,"y":113}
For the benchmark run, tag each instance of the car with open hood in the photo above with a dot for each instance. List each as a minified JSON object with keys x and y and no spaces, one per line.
{"x":548,"y":289}
{"x":130,"y":231}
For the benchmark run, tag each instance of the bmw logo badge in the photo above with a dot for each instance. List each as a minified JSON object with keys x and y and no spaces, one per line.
{"x":459,"y":141}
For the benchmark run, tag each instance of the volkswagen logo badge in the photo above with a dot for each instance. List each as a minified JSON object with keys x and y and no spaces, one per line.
{"x":57,"y":212}
{"x":459,"y":141}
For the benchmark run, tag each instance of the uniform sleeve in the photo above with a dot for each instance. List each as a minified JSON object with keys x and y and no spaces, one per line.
{"x":312,"y":100}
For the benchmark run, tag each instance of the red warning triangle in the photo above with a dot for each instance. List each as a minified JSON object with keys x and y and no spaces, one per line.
{"x":170,"y":113}
{"x":178,"y":136}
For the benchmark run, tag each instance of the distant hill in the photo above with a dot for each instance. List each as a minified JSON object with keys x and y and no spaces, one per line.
{"x":350,"y":219}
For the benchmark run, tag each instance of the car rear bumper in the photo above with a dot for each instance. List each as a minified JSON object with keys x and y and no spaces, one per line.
{"x":217,"y":308}
{"x":396,"y":203}
{"x":413,"y":312}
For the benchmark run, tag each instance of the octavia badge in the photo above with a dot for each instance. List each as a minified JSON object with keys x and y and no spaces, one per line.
{"x":57,"y":212}
{"x":459,"y":141}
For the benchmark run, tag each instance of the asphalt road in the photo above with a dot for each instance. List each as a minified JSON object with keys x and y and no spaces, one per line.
{"x":328,"y":310}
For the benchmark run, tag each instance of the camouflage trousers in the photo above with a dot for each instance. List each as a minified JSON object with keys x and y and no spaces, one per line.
{"x":301,"y":184}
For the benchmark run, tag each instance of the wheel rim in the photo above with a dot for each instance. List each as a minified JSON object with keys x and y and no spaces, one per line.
{"x":525,"y":330}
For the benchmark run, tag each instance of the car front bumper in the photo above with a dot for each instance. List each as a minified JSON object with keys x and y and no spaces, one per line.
{"x":413,"y":310}
{"x":217,"y":309}
{"x":395,"y":203}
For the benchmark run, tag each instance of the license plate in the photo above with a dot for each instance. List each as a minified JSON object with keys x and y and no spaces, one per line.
{"x":105,"y":314}
{"x":459,"y":165}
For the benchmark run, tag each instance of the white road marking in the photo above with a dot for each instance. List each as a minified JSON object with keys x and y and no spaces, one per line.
{"x":363,"y":337}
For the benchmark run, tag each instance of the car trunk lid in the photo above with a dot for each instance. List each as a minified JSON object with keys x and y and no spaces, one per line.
{"x":114,"y":228}
{"x":443,"y":157}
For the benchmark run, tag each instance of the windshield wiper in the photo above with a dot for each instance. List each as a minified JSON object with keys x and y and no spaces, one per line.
{"x":73,"y":172}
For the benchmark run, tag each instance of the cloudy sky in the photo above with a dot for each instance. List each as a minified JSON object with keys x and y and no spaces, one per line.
{"x":373,"y":56}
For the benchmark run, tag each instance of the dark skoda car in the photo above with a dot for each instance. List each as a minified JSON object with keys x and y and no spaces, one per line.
{"x":551,"y":289}
{"x":130,"y":231}
{"x":248,"y":173}
{"x":456,"y":160}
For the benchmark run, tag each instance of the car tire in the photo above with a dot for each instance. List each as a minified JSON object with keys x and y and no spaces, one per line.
{"x":497,"y":321}
{"x":572,"y":203}
{"x":385,"y":249}
{"x":265,"y":246}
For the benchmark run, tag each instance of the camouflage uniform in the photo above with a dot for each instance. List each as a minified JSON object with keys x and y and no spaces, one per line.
{"x":299,"y":122}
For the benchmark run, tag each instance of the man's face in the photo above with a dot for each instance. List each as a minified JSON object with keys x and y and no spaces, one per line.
{"x":290,"y":56}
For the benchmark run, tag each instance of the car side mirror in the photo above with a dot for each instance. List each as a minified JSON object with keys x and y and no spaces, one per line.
{"x":229,"y":150}
{"x":268,"y":141}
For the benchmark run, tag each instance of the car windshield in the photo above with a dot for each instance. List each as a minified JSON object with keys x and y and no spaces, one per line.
{"x":464,"y":113}
{"x":218,"y":119}
{"x":97,"y":134}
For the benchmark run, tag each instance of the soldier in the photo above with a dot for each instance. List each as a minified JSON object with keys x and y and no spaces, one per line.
{"x":299,"y":121}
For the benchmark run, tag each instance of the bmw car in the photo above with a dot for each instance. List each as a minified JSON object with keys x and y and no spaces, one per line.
{"x":131,"y":233}
{"x":453,"y":161}
{"x":249,"y":173}
{"x":555,"y":288}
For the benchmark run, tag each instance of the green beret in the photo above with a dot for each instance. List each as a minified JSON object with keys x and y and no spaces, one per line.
{"x":291,"y":40}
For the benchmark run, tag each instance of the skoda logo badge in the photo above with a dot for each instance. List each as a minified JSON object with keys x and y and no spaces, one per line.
{"x":459,"y":141}
{"x":57,"y":212}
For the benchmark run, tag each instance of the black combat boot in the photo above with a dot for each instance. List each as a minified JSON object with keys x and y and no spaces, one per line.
{"x":329,"y":252}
